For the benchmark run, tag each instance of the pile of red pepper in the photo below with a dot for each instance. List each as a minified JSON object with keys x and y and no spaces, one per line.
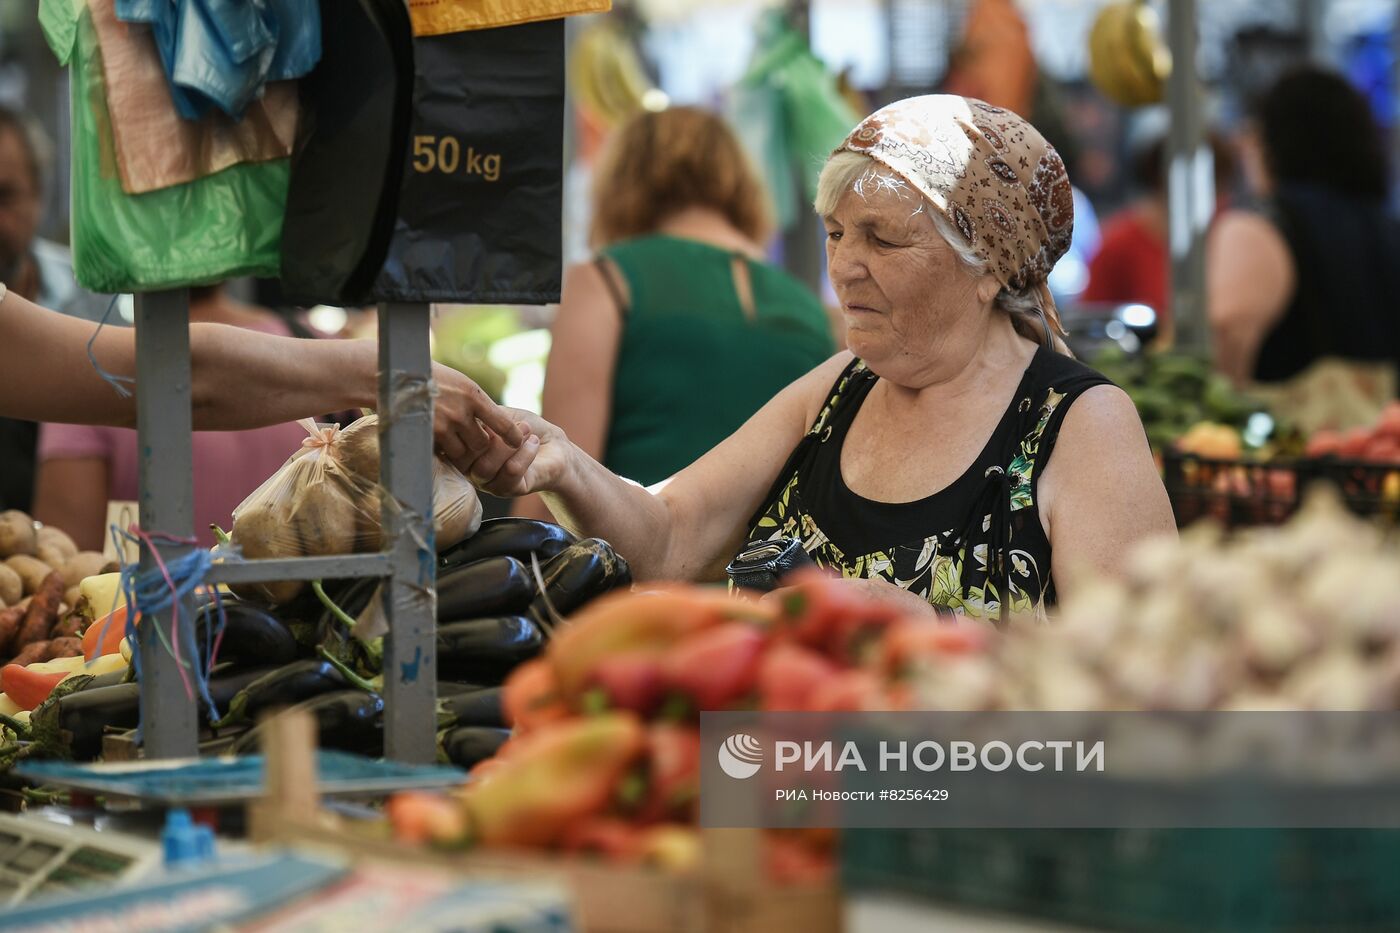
{"x":604,"y":757}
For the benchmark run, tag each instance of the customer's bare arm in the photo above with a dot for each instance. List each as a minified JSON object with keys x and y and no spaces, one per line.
{"x":687,"y":528}
{"x":239,"y":378}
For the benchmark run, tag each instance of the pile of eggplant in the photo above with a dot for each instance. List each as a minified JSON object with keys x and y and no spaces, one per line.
{"x":500,"y":595}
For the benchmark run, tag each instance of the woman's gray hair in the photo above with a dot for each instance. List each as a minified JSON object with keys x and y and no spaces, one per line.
{"x":856,"y":171}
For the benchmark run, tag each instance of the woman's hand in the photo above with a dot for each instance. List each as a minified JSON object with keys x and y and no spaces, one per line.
{"x":466,"y":422}
{"x":536,"y":464}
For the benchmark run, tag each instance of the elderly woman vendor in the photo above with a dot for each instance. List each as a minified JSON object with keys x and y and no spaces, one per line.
{"x":957,"y":455}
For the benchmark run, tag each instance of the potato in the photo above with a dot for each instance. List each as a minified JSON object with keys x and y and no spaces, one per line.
{"x":31,"y":570}
{"x":51,"y":554}
{"x":325,"y":519}
{"x":358,"y":447}
{"x":82,"y":565}
{"x":17,"y":535}
{"x":11,"y":586}
{"x":369,"y":533}
{"x":56,"y":537}
{"x":262,"y":533}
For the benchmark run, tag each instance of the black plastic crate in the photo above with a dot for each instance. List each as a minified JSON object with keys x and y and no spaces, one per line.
{"x":1240,"y":493}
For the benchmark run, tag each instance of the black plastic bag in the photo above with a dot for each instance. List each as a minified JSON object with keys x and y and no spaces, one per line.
{"x":479,"y":210}
{"x":356,"y":110}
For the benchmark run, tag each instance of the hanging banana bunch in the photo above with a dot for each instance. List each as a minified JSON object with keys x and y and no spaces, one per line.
{"x":607,"y":76}
{"x":1128,"y":60}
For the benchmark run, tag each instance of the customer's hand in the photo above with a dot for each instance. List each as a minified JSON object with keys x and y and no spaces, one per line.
{"x":466,"y":422}
{"x":535,"y":465}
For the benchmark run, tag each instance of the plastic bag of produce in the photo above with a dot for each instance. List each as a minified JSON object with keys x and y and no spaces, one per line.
{"x":325,"y":500}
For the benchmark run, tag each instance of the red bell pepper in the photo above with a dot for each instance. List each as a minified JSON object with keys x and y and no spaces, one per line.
{"x":789,"y":674}
{"x":607,"y":836}
{"x":648,"y":621}
{"x":419,"y":817}
{"x":552,"y":779}
{"x":630,"y":680}
{"x":915,"y":642}
{"x":530,"y":697}
{"x":824,"y":612}
{"x":104,"y":635}
{"x":673,"y":773}
{"x":30,"y":685}
{"x":850,"y":691}
{"x":715,"y":667}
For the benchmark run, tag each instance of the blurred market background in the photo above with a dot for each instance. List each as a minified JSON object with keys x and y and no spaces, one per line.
{"x":791,"y":77}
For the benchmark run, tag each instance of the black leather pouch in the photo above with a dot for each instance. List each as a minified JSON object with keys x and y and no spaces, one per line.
{"x":761,"y":565}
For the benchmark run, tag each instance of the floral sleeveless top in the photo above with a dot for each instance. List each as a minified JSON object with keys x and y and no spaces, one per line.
{"x":976,"y":547}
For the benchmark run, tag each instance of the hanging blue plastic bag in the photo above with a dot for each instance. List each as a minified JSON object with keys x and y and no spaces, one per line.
{"x":223,"y":52}
{"x":224,"y":225}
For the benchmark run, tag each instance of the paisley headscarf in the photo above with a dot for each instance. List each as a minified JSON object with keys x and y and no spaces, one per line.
{"x":989,"y":172}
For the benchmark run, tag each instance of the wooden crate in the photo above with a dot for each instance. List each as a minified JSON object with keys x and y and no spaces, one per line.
{"x":729,"y":894}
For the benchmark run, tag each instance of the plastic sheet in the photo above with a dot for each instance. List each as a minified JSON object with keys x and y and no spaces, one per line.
{"x":155,"y":147}
{"x":219,"y":227}
{"x":479,"y":209}
{"x":357,"y":108}
{"x":221,"y":53}
{"x":325,"y":500}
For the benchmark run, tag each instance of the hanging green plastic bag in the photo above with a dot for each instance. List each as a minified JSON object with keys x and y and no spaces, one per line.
{"x":224,"y":225}
{"x":815,"y":115}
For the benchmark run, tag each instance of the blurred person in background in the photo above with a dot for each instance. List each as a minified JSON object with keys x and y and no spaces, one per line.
{"x":81,"y":467}
{"x":1132,"y":263}
{"x":678,"y":331}
{"x":35,"y":269}
{"x":1315,"y":270}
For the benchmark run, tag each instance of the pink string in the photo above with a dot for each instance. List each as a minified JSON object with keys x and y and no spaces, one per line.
{"x":219,"y":638}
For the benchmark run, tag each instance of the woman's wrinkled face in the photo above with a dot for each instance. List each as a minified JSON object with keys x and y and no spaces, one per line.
{"x":900,"y":284}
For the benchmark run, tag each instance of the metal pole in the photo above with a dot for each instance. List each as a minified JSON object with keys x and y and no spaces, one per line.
{"x":169,"y":721}
{"x":410,"y":595}
{"x":1190,"y":182}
